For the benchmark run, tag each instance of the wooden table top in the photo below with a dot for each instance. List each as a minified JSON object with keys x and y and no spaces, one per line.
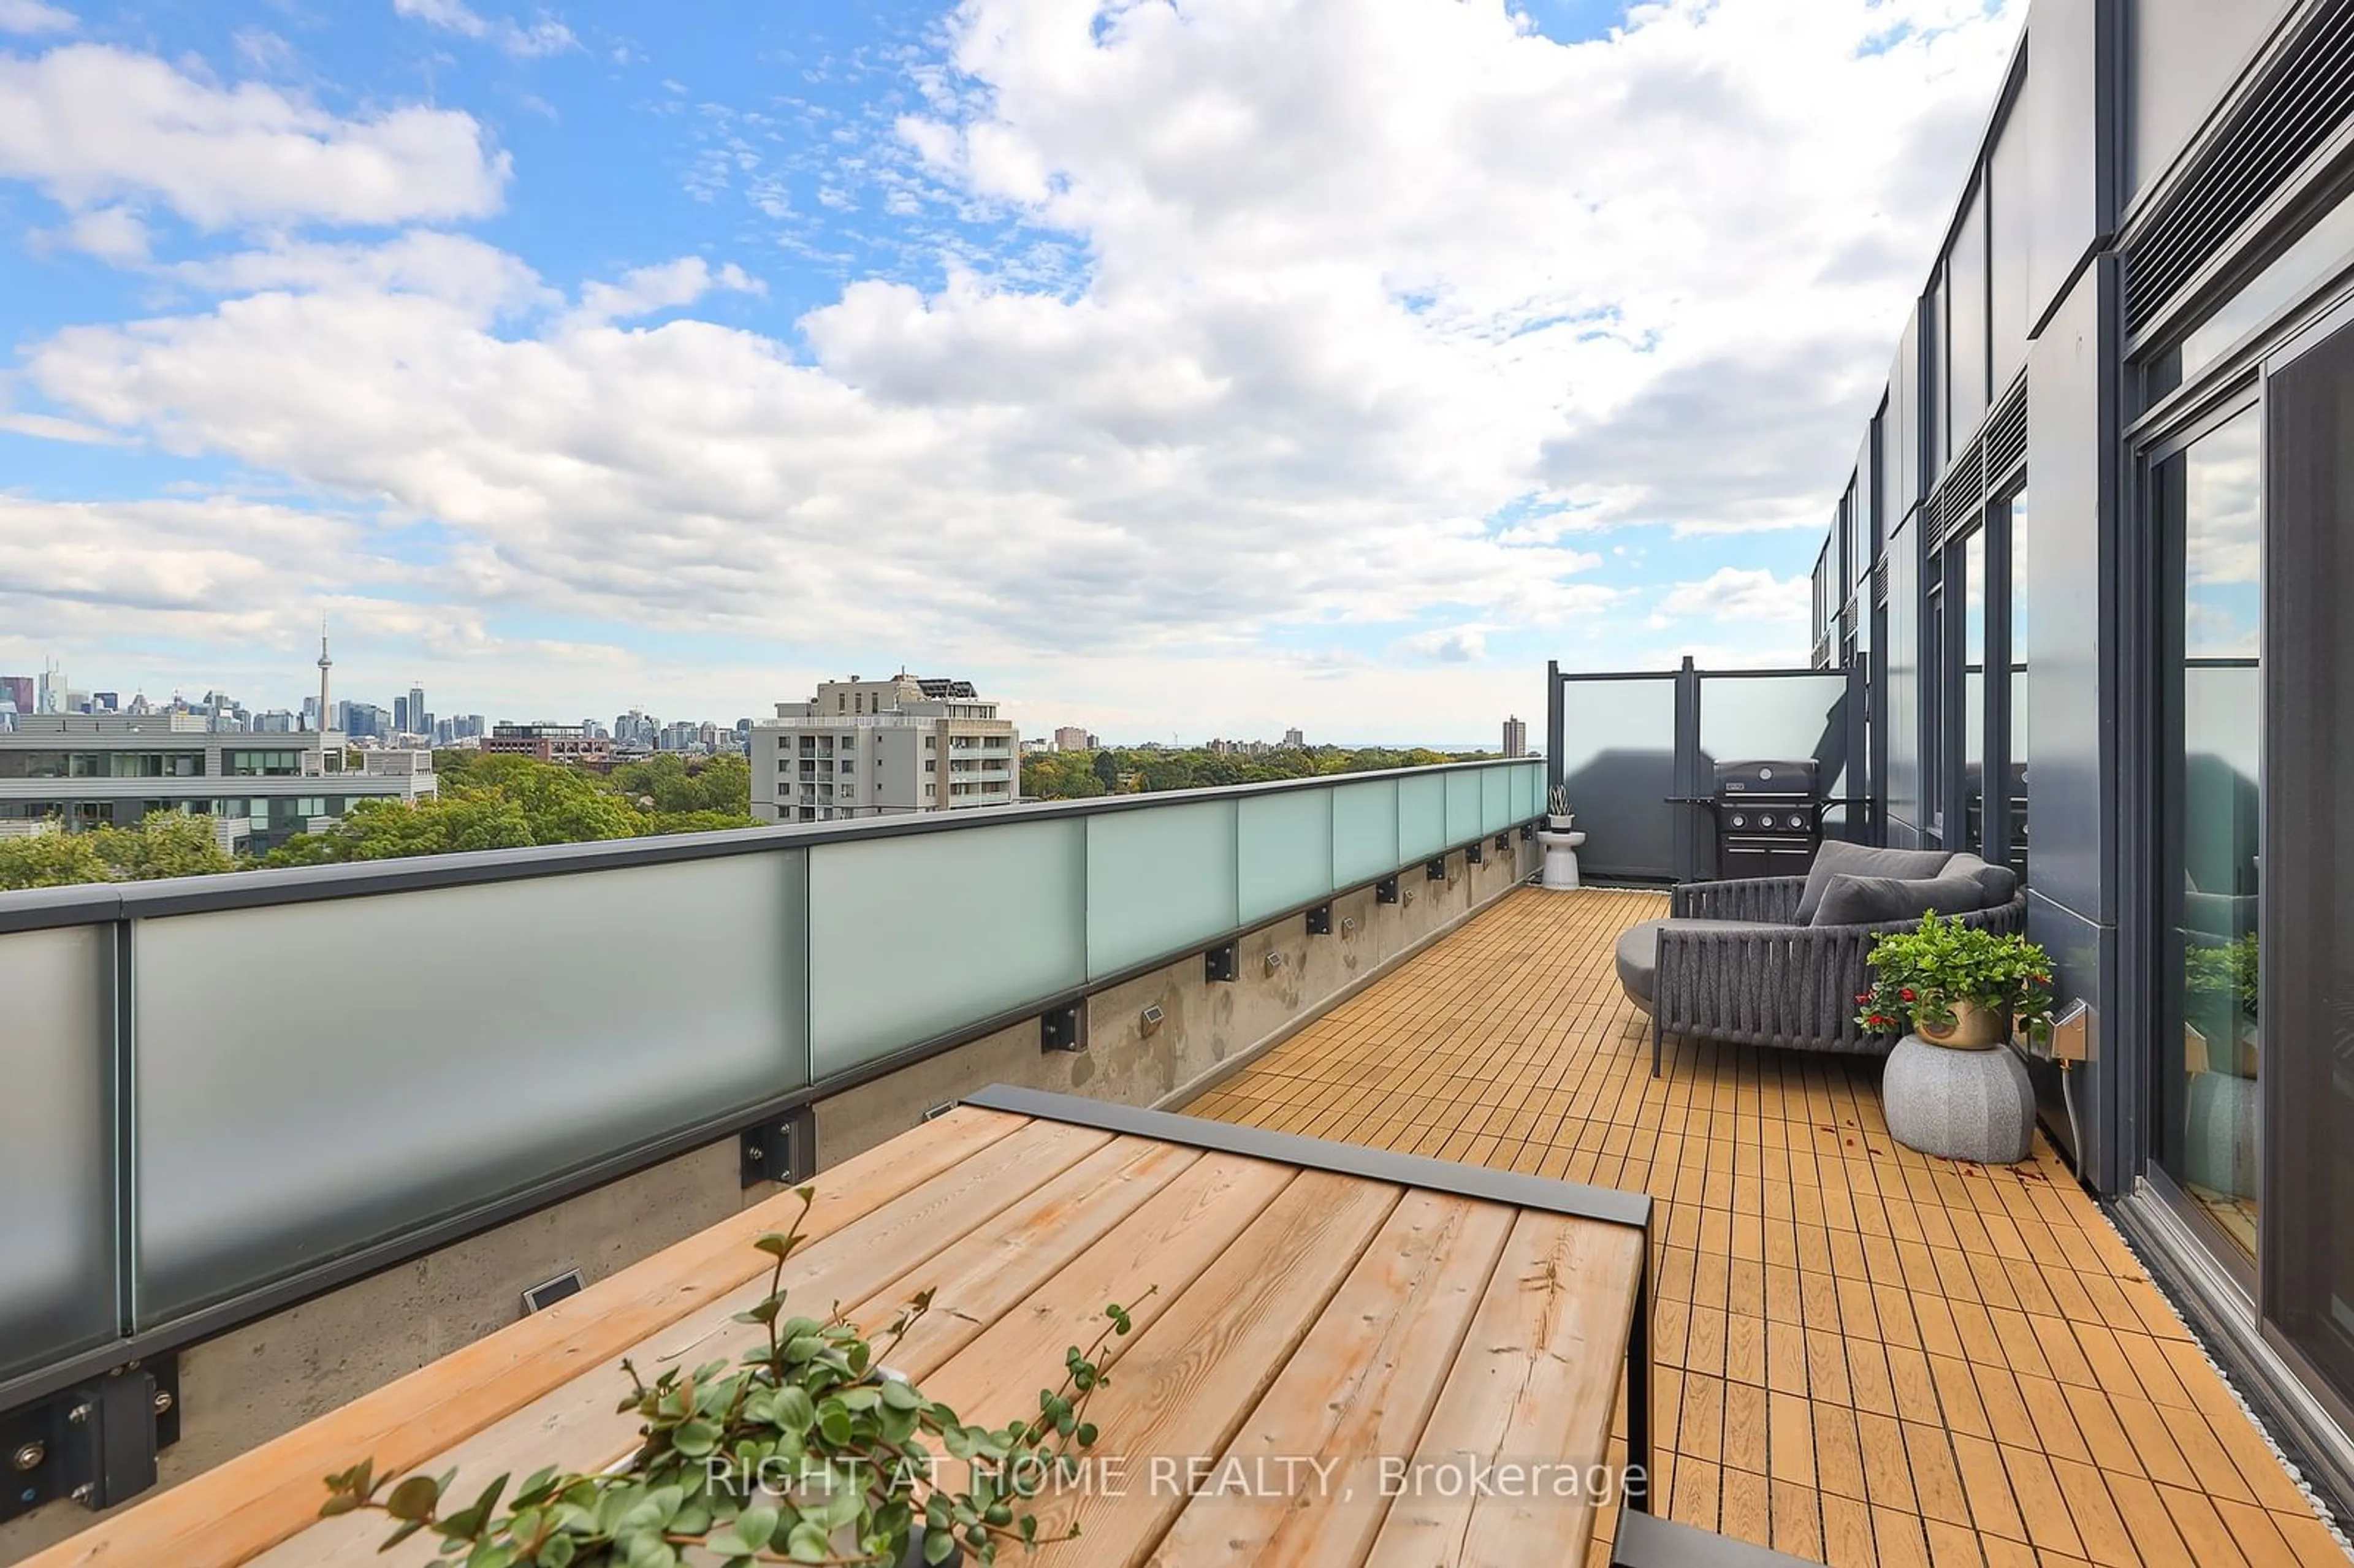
{"x":1345,"y":1356}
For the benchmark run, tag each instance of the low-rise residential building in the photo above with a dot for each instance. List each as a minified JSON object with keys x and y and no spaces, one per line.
{"x":549,"y":743}
{"x":86,"y":770}
{"x":864,"y":748}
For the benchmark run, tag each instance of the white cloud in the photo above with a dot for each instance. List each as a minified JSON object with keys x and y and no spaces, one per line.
{"x":642,"y":290}
{"x":1731,"y":593}
{"x":50,"y":428}
{"x":91,"y":124}
{"x":115,"y":235}
{"x":1357,"y":279}
{"x":544,"y":36}
{"x":33,"y":16}
{"x":452,"y":269}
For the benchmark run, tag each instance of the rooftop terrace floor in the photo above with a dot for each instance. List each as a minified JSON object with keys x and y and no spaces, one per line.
{"x":1864,"y":1355}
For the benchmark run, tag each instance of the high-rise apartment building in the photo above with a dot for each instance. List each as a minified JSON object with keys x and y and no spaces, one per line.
{"x":1072,"y":737}
{"x":864,"y":748}
{"x":1516,"y":738}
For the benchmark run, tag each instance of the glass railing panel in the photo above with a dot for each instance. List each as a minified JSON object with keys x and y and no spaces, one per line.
{"x":916,"y":936}
{"x":1422,"y":816}
{"x":1495,"y":799}
{"x":1364,"y":831}
{"x":1285,"y":843}
{"x":56,"y":1144}
{"x":1462,"y":806}
{"x":1159,"y":880}
{"x":1528,"y":790}
{"x":423,"y":1052}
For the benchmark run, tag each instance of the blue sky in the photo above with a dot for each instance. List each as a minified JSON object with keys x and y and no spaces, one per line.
{"x":1173,"y":370}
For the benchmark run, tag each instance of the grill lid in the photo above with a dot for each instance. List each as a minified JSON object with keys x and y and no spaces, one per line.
{"x":1788,"y":778}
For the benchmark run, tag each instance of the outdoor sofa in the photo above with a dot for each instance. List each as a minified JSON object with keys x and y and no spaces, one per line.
{"x":1780,"y":960}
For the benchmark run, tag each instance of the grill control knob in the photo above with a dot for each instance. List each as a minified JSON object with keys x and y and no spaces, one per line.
{"x":1796,"y":820}
{"x":1739,"y":820}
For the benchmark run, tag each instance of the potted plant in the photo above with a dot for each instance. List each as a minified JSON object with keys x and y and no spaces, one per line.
{"x":1955,"y":985}
{"x":808,"y":1450}
{"x":2225,"y":978}
{"x":1558,"y":817}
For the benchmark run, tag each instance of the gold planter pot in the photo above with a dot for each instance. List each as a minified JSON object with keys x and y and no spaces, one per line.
{"x":1974,"y":1028}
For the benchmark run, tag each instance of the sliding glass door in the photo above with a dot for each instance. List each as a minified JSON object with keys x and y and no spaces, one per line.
{"x":2207,"y":497}
{"x":2307,"y":990}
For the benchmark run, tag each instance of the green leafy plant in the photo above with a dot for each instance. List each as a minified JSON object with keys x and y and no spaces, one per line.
{"x":1919,"y":975}
{"x":2232,"y":969}
{"x":807,"y":1451}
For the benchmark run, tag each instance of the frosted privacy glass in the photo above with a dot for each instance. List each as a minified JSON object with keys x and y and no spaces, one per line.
{"x":1618,"y":758}
{"x":57,"y":1159}
{"x":1158,"y":879}
{"x":1495,"y":800}
{"x":1364,"y":831}
{"x":417,"y":1054}
{"x":1462,"y":807}
{"x":911,"y":938}
{"x":1422,"y":816}
{"x":1748,"y":718}
{"x":1286,"y":850}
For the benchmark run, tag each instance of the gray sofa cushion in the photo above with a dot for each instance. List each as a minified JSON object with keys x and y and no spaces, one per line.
{"x":1871,"y":900}
{"x":1998,"y":882}
{"x":1638,"y":952}
{"x":1837,"y":857}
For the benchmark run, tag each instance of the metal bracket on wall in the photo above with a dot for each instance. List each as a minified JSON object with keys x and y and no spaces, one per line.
{"x":1219,"y":964}
{"x":95,"y":1443}
{"x":1475,"y":852}
{"x":1320,"y":920}
{"x":781,"y":1149}
{"x":1060,"y":1029}
{"x":1504,"y":842}
{"x":1528,"y":832}
{"x":1437,"y":869}
{"x":1386,"y":891}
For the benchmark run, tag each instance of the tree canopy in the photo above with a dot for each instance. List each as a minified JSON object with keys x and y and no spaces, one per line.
{"x":1123,"y":770}
{"x":164,"y":843}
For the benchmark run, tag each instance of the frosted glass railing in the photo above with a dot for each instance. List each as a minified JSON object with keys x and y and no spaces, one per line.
{"x":56,"y":1144}
{"x":911,"y":937}
{"x":424,"y":1052}
{"x":443,"y":1038}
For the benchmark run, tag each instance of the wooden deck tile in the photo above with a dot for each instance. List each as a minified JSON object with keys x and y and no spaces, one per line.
{"x":1863,"y":1355}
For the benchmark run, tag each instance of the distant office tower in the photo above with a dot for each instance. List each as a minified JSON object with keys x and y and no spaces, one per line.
{"x":1071,"y":737}
{"x":1292,"y":737}
{"x":864,"y":748}
{"x":17,"y":691}
{"x":1516,"y":738}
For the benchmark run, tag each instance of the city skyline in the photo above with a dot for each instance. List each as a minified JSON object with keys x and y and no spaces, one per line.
{"x":552,"y":355}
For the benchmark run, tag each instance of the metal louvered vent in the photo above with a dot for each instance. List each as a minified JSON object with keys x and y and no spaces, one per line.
{"x":2308,"y":91}
{"x":2006,"y":435}
{"x":1956,"y":500}
{"x":1879,"y":583}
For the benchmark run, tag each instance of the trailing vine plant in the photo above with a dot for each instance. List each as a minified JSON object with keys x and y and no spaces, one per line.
{"x":808,"y":1450}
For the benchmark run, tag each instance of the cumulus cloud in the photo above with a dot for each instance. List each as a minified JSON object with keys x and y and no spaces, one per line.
{"x":643,"y":291}
{"x":1382,"y":313}
{"x":34,"y":16}
{"x":544,"y":36}
{"x":1733,"y":593}
{"x":91,"y":124}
